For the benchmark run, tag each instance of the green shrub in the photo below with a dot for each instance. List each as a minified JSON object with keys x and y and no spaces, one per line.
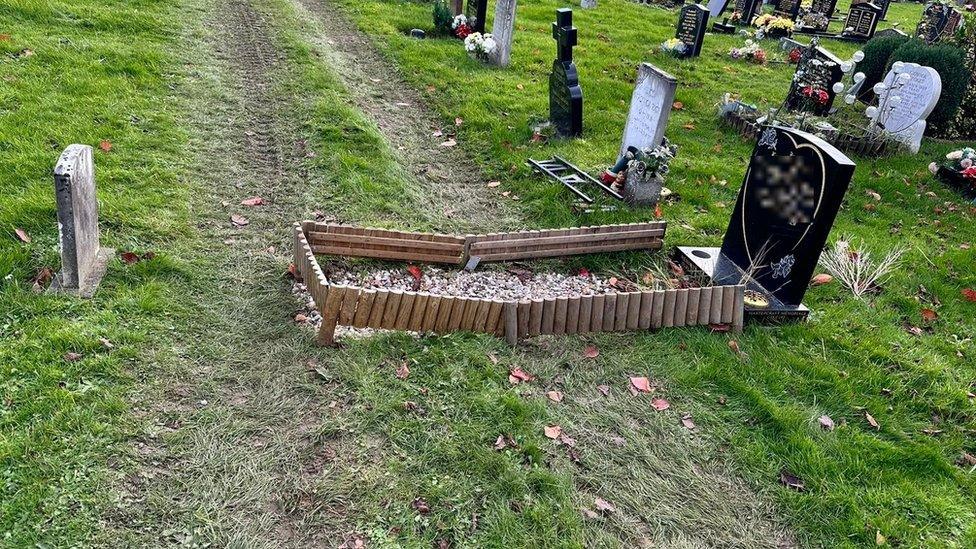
{"x":964,"y":124}
{"x":950,"y":62}
{"x":877,"y":52}
{"x":443,"y":17}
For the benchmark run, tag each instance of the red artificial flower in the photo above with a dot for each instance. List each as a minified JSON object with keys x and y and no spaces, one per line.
{"x":808,"y":91}
{"x":822,"y":97}
{"x":795,"y":55}
{"x":969,"y":172}
{"x":462,"y":31}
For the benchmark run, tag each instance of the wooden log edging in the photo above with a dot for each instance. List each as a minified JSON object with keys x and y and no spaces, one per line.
{"x":514,"y":320}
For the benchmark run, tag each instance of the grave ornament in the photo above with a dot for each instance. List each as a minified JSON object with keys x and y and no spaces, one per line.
{"x":906,"y":96}
{"x":83,"y":260}
{"x":939,"y":22}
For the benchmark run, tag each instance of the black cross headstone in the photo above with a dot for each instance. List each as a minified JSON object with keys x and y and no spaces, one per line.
{"x":793,"y":190}
{"x":817,"y":69}
{"x":477,"y":10}
{"x":692,"y":24}
{"x":565,"y":93}
{"x":862,"y":21}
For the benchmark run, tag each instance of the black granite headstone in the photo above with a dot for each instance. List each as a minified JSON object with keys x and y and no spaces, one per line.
{"x":692,"y":24}
{"x":745,"y":11}
{"x":825,"y":7}
{"x":477,"y":10}
{"x":793,"y":190}
{"x":788,"y":8}
{"x":565,"y":93}
{"x":862,"y":21}
{"x":818,"y":69}
{"x":939,"y":22}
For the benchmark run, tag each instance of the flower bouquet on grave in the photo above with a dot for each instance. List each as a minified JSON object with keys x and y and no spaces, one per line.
{"x":460,"y":27}
{"x":673,"y":46}
{"x":480,"y":46}
{"x":772,"y":26}
{"x":812,"y":20}
{"x":750,"y":52}
{"x":639,"y":174}
{"x":958,"y":170}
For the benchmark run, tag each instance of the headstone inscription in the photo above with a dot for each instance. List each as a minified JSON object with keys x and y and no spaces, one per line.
{"x":692,"y":24}
{"x":817,"y":69}
{"x":787,"y":8}
{"x":907,"y":101}
{"x":793,"y":190}
{"x":650,"y":108}
{"x":565,"y":93}
{"x":939,"y":22}
{"x":477,"y":11}
{"x":825,"y":7}
{"x":503,"y":29}
{"x":587,"y":4}
{"x":83,"y":260}
{"x":862,"y":21}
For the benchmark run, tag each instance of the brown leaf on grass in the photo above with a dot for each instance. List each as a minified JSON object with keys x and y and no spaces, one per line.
{"x":567,"y":440}
{"x":734,"y":345}
{"x":22,"y":235}
{"x":504,"y":441}
{"x":292,"y":272}
{"x":449,"y":143}
{"x":604,"y":389}
{"x":688,"y":126}
{"x":790,"y":480}
{"x":821,"y":279}
{"x":402,"y":371}
{"x":871,"y":421}
{"x":42,"y":278}
{"x":642,"y":384}
{"x":603,"y":505}
{"x":591,"y":351}
{"x":826,"y":423}
{"x":660,"y":404}
{"x":914,"y":330}
{"x":720,"y":328}
{"x":106,"y":343}
{"x":590,"y":514}
{"x":928,"y":315}
{"x":676,"y":270}
{"x":301,"y":318}
{"x":27,"y":53}
{"x":969,"y":294}
{"x":492,"y":358}
{"x":417,"y":275}
{"x":253,"y":201}
{"x":555,"y":396}
{"x":518,"y":375}
{"x":458,"y":121}
{"x":687,"y":422}
{"x":493,"y":184}
{"x":658,"y":212}
{"x":4,"y":38}
{"x":967,"y":459}
{"x":71,"y":357}
{"x":129,"y":258}
{"x":105,"y":145}
{"x":552,"y":431}
{"x":239,"y":220}
{"x":420,"y":505}
{"x":677,"y":105}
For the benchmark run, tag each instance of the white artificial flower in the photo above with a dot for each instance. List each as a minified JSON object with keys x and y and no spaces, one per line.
{"x":933,"y":167}
{"x":954,"y":155}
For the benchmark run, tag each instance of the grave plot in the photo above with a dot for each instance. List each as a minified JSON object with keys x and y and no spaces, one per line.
{"x":452,"y":305}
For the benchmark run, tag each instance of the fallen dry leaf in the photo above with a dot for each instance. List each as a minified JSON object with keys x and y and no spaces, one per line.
{"x":239,"y":220}
{"x":969,"y":294}
{"x":660,"y":404}
{"x":42,"y":278}
{"x":402,"y":371}
{"x":72,"y":357}
{"x":519,"y":375}
{"x":4,"y":38}
{"x":734,"y":345}
{"x":567,"y":440}
{"x":791,"y":481}
{"x":449,"y":143}
{"x":928,"y":315}
{"x":720,"y":328}
{"x":591,"y":351}
{"x":879,"y":538}
{"x":106,"y":343}
{"x":129,"y":257}
{"x":555,"y":396}
{"x":642,"y":384}
{"x":105,"y":145}
{"x":493,"y":184}
{"x":553,"y":431}
{"x":421,"y":506}
{"x":826,"y":423}
{"x":253,"y":201}
{"x":22,"y":235}
{"x":658,"y":212}
{"x":871,"y":421}
{"x":687,"y":422}
{"x":301,"y":318}
{"x":677,"y":105}
{"x":821,"y":279}
{"x":604,"y":389}
{"x":603,"y":505}
{"x":458,"y":121}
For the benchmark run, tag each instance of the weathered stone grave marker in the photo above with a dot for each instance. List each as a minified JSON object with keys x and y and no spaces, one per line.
{"x":862,"y":21}
{"x":502,"y":29}
{"x":650,"y":108}
{"x":692,"y":24}
{"x":907,"y":101}
{"x":83,"y":260}
{"x":939,"y":22}
{"x":793,"y":189}
{"x":565,"y":93}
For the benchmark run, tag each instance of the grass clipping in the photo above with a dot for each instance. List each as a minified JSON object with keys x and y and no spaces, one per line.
{"x":855,"y":267}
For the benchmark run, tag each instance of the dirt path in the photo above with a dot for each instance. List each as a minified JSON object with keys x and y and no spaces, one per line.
{"x":399,"y":113}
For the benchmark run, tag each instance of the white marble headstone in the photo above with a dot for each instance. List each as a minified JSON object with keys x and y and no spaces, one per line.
{"x":650,"y":108}
{"x":919,"y":96}
{"x":503,"y":29}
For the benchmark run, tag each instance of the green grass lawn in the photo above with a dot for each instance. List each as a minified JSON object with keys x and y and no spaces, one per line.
{"x":141,"y":75}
